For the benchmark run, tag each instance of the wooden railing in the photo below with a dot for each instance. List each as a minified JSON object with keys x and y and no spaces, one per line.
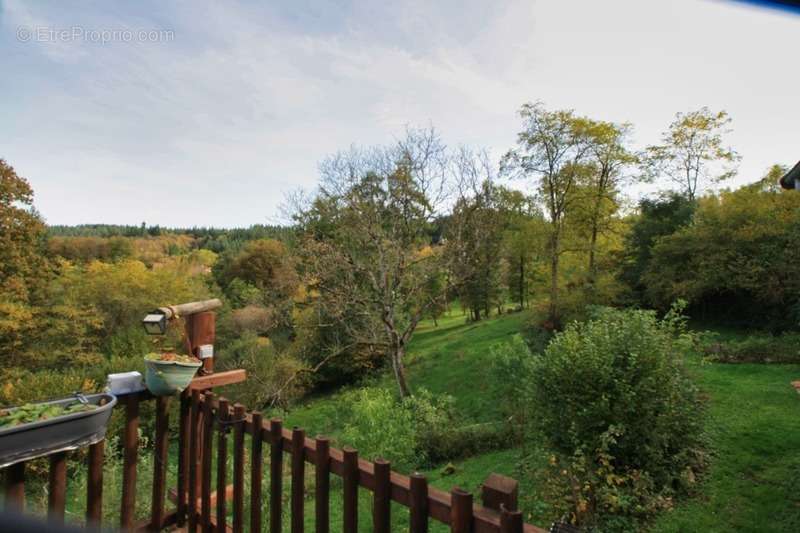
{"x":211,"y":431}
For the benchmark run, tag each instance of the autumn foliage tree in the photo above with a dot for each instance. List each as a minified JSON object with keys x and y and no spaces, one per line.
{"x":610,"y":157}
{"x":552,"y":150}
{"x":22,"y":237}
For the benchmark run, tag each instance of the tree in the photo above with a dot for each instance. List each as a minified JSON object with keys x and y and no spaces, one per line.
{"x":609,"y":158}
{"x":474,"y":234}
{"x":553,"y":149}
{"x":693,"y":154}
{"x":739,"y":258}
{"x":368,"y":252}
{"x":656,"y":218}
{"x":23,"y":267}
{"x":265,"y":264}
{"x":523,"y":242}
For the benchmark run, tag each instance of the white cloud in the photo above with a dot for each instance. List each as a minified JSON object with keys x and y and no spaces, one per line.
{"x":214,"y":126}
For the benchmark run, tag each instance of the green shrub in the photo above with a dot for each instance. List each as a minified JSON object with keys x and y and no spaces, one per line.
{"x":621,"y":422}
{"x":443,"y":436}
{"x":274,"y":377}
{"x":537,"y":332}
{"x":510,"y":379}
{"x":382,"y":427}
{"x":410,"y":433}
{"x":755,"y":348}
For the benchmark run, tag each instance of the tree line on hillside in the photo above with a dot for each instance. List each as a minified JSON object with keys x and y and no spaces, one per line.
{"x":215,"y":239}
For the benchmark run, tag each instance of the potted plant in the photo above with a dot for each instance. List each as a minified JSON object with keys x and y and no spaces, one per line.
{"x":38,"y":429}
{"x":169,"y":373}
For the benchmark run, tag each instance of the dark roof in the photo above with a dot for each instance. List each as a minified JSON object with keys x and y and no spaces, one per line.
{"x":791,"y":177}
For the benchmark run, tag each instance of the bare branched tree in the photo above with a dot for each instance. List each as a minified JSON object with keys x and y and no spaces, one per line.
{"x":368,"y":251}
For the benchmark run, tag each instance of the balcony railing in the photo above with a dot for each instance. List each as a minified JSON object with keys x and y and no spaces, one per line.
{"x":212,"y":432}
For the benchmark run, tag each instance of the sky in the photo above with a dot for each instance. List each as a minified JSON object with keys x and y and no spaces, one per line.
{"x":192,"y":113}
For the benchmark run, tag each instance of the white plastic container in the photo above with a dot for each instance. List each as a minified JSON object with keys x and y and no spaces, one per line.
{"x":125,"y":383}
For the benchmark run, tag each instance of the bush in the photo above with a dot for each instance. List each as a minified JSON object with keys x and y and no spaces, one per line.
{"x":410,"y":433}
{"x":537,"y":335}
{"x":621,"y":422}
{"x":273,"y":376}
{"x":756,"y":348}
{"x":382,"y":427}
{"x":253,"y":318}
{"x":510,"y":379}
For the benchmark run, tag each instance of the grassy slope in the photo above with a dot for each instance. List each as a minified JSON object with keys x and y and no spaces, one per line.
{"x":754,"y":483}
{"x":447,"y":359}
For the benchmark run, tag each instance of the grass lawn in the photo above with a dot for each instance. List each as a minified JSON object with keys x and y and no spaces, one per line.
{"x":754,"y":482}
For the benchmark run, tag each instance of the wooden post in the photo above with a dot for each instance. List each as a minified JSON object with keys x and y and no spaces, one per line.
{"x":419,"y":503}
{"x":184,"y":427}
{"x":208,"y":433}
{"x":275,"y":475}
{"x":57,"y":488}
{"x":500,"y":490}
{"x":94,"y":485}
{"x":194,"y":457}
{"x":298,"y":479}
{"x":460,"y":511}
{"x":322,"y":485}
{"x":510,"y":521}
{"x":130,"y":444}
{"x":223,"y":414}
{"x":160,"y":454}
{"x":200,"y":330}
{"x":256,"y":472}
{"x":15,"y":487}
{"x":350,"y":487}
{"x":239,"y":414}
{"x":381,"y":498}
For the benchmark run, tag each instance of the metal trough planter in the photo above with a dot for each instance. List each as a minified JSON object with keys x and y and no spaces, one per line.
{"x":57,"y":434}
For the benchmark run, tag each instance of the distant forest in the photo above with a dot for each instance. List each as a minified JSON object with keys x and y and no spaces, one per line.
{"x":214,"y":239}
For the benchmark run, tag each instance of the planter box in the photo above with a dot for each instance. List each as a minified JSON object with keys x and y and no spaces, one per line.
{"x":61,"y":433}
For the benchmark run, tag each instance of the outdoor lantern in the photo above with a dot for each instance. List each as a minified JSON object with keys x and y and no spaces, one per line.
{"x":792,"y":178}
{"x":155,"y":323}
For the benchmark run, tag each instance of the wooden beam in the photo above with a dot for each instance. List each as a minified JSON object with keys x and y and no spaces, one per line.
{"x":217,"y":380}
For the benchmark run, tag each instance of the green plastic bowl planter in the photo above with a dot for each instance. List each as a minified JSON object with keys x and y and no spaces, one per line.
{"x":165,"y":378}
